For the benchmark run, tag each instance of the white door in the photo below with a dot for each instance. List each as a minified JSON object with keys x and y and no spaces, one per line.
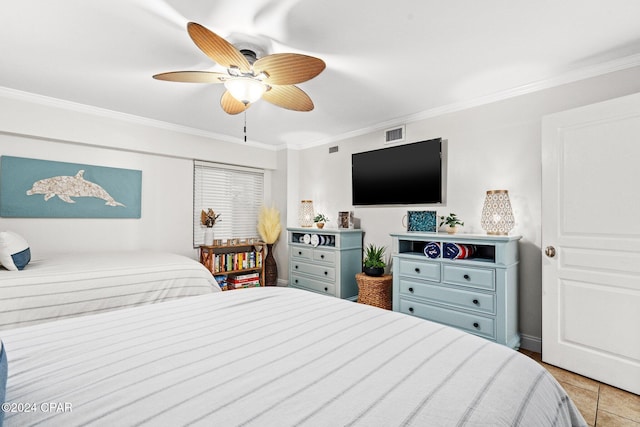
{"x":591,"y":220}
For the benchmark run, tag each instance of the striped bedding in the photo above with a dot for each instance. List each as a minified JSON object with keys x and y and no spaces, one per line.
{"x":272,"y":357}
{"x":68,"y":285}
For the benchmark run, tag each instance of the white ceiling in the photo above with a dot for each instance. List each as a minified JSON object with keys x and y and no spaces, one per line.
{"x":387,"y":61}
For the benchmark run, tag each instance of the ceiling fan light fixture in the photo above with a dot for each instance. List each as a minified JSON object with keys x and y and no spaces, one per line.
{"x":245,"y":90}
{"x":248,"y":78}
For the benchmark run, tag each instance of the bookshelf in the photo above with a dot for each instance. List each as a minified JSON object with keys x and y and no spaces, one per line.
{"x":238,"y":260}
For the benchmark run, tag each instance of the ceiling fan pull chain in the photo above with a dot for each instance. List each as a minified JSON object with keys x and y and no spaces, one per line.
{"x":245,"y":125}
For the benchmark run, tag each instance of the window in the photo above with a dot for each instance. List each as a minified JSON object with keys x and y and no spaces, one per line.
{"x":234,"y":192}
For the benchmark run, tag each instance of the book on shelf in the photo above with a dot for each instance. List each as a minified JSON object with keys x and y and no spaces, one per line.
{"x":243,"y":280}
{"x":221,"y":280}
{"x":243,"y":277}
{"x":243,"y":285}
{"x":233,"y":261}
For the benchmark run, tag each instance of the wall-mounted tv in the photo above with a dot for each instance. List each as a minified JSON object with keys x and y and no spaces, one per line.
{"x":401,"y":175}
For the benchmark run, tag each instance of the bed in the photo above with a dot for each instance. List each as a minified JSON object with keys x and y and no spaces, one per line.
{"x":270,"y":357}
{"x":75,"y":284}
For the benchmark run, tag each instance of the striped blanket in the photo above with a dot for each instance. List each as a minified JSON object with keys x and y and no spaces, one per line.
{"x":271,"y":357}
{"x":69,"y":285}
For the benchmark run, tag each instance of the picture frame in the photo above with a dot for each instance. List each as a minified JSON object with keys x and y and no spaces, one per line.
{"x":426,"y":221}
{"x":345,"y":220}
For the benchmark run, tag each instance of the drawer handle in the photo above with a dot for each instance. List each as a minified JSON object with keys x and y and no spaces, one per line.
{"x":326,"y":273}
{"x":296,"y":267}
{"x":321,"y":256}
{"x":410,"y":309}
{"x":476,"y":325}
{"x":417,"y":270}
{"x":296,"y":280}
{"x":411,"y":290}
{"x":466,"y":277}
{"x":326,"y":289}
{"x":476,"y":302}
{"x":299,"y":252}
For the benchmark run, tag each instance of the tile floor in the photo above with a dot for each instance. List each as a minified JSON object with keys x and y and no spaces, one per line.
{"x":600,"y":404}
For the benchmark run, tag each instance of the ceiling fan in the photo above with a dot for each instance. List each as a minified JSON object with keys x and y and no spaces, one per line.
{"x":272,"y":77}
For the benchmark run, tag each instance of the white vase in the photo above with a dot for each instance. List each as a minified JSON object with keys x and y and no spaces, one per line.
{"x":208,"y":236}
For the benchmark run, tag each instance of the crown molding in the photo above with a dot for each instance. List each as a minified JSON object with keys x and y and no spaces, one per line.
{"x":582,"y":73}
{"x":6,"y":92}
{"x":566,"y":78}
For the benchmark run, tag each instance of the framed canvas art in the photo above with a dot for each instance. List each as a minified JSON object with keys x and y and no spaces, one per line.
{"x":33,"y":188}
{"x":421,"y":221}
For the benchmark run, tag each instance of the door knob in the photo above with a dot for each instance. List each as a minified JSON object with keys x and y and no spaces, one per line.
{"x":550,"y":251}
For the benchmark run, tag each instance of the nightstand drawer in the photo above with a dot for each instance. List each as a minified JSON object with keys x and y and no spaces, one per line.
{"x":473,"y":323}
{"x":297,"y":281}
{"x":420,"y":269}
{"x":468,"y":299}
{"x":324,"y":256}
{"x":302,"y":253}
{"x":468,"y":276}
{"x":322,"y":272}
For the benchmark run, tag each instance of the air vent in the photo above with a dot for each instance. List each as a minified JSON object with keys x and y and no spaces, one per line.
{"x":333,"y":149}
{"x":394,"y":135}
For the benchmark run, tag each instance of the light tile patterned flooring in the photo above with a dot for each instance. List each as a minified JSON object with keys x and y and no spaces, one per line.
{"x":600,"y":404}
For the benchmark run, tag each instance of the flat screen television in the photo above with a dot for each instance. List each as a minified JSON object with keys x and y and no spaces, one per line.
{"x":406,"y":174}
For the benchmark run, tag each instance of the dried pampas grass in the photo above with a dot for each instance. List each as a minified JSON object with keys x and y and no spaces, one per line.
{"x":269,"y":224}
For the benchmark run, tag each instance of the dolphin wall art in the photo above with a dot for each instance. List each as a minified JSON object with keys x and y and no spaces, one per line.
{"x":37,"y":188}
{"x":66,"y":187}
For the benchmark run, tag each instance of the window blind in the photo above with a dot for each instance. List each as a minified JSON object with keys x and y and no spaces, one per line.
{"x":235,"y":193}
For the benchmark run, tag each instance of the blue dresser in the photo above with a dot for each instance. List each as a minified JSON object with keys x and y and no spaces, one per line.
{"x":325,"y":261}
{"x":468,"y":281}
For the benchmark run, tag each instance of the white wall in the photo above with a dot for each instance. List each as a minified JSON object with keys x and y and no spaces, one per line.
{"x":496,"y":146}
{"x":41,"y":128}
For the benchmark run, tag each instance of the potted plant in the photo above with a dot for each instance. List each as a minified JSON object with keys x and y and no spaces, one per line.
{"x":373,"y":263}
{"x":452,"y":222}
{"x":320,"y":220}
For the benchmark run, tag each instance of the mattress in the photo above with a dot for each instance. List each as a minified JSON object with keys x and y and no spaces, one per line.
{"x":271,"y":357}
{"x":69,"y":285}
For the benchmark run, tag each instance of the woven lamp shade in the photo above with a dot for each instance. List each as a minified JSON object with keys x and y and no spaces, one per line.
{"x":305,"y":213}
{"x":497,"y":215}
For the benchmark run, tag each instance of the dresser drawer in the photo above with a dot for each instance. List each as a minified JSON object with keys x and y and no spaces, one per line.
{"x":303,"y":282}
{"x":324,"y":256}
{"x":320,"y":271}
{"x":473,"y":323}
{"x":482,"y":278}
{"x":420,"y":269}
{"x":469,"y":299}
{"x":302,"y":253}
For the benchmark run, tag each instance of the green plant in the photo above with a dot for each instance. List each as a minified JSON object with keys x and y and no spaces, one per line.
{"x":374,"y":256}
{"x":320,"y":218}
{"x":452,"y":220}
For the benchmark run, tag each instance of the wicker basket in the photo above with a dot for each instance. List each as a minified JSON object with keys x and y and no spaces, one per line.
{"x":375,"y":291}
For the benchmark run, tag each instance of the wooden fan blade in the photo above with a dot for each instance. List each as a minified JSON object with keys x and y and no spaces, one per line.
{"x":289,"y":97}
{"x":192,"y":76}
{"x":288,"y":68}
{"x":231,"y":105}
{"x":217,"y":48}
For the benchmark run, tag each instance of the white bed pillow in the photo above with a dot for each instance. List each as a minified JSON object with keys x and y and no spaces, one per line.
{"x":15,"y":253}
